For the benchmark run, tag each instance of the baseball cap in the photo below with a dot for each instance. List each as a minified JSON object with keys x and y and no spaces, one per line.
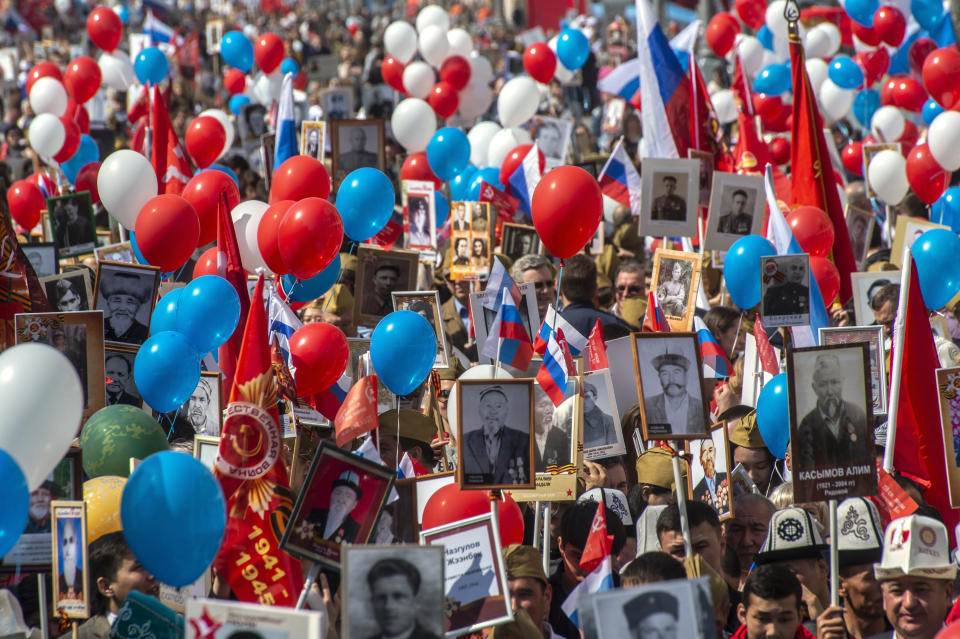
{"x":915,"y":546}
{"x":791,"y":535}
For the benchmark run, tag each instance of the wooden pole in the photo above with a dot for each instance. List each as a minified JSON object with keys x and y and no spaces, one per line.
{"x":682,"y":504}
{"x":897,"y":373}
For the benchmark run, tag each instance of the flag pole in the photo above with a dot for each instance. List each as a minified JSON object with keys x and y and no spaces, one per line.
{"x":537,"y":524}
{"x":546,"y":538}
{"x":898,"y":337}
{"x":682,"y":504}
{"x":307,"y":584}
{"x":834,"y":556}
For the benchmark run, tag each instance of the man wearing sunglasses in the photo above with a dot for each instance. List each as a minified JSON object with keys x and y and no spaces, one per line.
{"x":537,"y":269}
{"x":628,"y":283}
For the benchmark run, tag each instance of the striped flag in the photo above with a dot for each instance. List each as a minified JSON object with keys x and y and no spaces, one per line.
{"x":525,"y":179}
{"x":329,"y":401}
{"x":576,"y":342}
{"x":282,"y":323}
{"x":620,"y":181}
{"x":556,"y":368}
{"x":715,"y":363}
{"x":654,"y":321}
{"x":508,"y":338}
{"x":286,"y":143}
{"x":157,"y":30}
{"x":624,"y":80}
{"x":498,"y":282}
{"x":596,"y":558}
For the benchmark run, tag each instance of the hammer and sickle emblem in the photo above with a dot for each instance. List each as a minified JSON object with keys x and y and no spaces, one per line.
{"x":245,"y":433}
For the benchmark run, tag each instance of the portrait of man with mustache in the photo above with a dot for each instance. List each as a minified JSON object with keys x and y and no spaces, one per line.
{"x":674,"y":407}
{"x":124,"y":294}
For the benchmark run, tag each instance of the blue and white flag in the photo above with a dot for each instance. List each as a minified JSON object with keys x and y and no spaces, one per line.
{"x":282,"y":322}
{"x":525,"y":178}
{"x":599,"y":580}
{"x":286,"y":145}
{"x":158,"y":31}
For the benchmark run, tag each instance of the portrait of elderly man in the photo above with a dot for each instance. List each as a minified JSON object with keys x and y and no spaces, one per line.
{"x":598,"y":429}
{"x":335,"y":522}
{"x":354,"y":153}
{"x":119,"y":372}
{"x":706,"y":488}
{"x":123,"y":295}
{"x":674,"y":410}
{"x":71,"y":568}
{"x":494,"y":453}
{"x":394,"y":584}
{"x":377,"y":299}
{"x":203,"y":407}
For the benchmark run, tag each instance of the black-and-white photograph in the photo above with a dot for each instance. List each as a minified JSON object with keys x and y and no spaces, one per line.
{"x":379,"y":274}
{"x":831,"y":422}
{"x":706,"y":174}
{"x":665,"y":609}
{"x":517,"y":240}
{"x":356,"y":144}
{"x":202,"y":414}
{"x":669,"y":379}
{"x":253,"y":122}
{"x":206,"y":449}
{"x":872,"y":336}
{"x":126,"y":293}
{"x":213,"y":30}
{"x":120,"y":385}
{"x":552,"y":136}
{"x":337,"y":104}
{"x":785,"y":290}
{"x":71,"y":222}
{"x":675,"y":280}
{"x":709,"y":471}
{"x":421,"y":219}
{"x":70,"y":291}
{"x":393,"y":591}
{"x":43,"y":258}
{"x":860,"y":225}
{"x":602,"y":436}
{"x":553,"y":429}
{"x":737,"y":208}
{"x":494,"y":442}
{"x":483,"y":319}
{"x":69,"y":527}
{"x":121,"y":252}
{"x":313,"y":138}
{"x":427,"y":304}
{"x":671,"y":196}
{"x":865,"y":287}
{"x":460,"y":216}
{"x":908,"y":230}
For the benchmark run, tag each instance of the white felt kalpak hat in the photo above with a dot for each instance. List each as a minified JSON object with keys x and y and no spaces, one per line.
{"x":860,"y":534}
{"x":791,"y":535}
{"x":614,"y":499}
{"x":915,"y":546}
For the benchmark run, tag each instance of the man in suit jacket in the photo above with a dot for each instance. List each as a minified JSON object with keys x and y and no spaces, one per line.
{"x":335,"y":523}
{"x":455,"y":315}
{"x":495,"y":454}
{"x":394,"y":584}
{"x":706,"y":488}
{"x":598,"y":427}
{"x":674,"y":411}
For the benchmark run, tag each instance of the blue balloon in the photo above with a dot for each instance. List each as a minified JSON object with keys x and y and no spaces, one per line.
{"x":765,"y":36}
{"x":937,"y":254}
{"x":164,"y":316}
{"x":774,"y":79}
{"x":365,"y":202}
{"x":927,"y":13}
{"x":448,"y":152}
{"x":946,"y":210}
{"x":151,"y":66}
{"x":173,"y":516}
{"x":488,"y":174}
{"x":289,"y":65}
{"x":862,"y":10}
{"x":311,"y":289}
{"x":845,"y":73}
{"x":166,"y":370}
{"x":225,"y":169}
{"x":865,"y":104}
{"x":236,"y":50}
{"x":741,"y":269}
{"x":931,"y":110}
{"x":442,"y":208}
{"x":208,"y":312}
{"x":123,"y":13}
{"x":460,"y":185}
{"x":16,"y":502}
{"x":773,"y":415}
{"x":237,"y":103}
{"x":86,"y":153}
{"x":573,"y":48}
{"x":403,"y":348}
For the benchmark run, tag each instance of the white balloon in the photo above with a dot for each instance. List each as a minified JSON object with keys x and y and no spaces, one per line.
{"x":483,"y":371}
{"x":887,"y":124}
{"x":943,"y":139}
{"x":775,"y":20}
{"x":227,"y":123}
{"x":47,"y":95}
{"x":433,"y":15}
{"x":461,"y":43}
{"x":413,"y":124}
{"x":62,"y":6}
{"x":833,"y":33}
{"x":250,"y":31}
{"x":28,"y":372}
{"x":480,"y":69}
{"x":750,"y":51}
{"x":418,"y":79}
{"x":116,"y":70}
{"x":266,"y":88}
{"x":246,"y":220}
{"x":725,"y":106}
{"x":518,"y":101}
{"x":834,"y":101}
{"x":888,"y":176}
{"x":400,"y":41}
{"x":503,"y":142}
{"x":475,"y":99}
{"x":817,"y":72}
{"x":479,"y":137}
{"x":817,"y":43}
{"x":126,"y":182}
{"x":433,"y":45}
{"x":46,"y":135}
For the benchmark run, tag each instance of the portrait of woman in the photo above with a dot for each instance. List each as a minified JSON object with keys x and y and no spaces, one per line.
{"x":419,"y":222}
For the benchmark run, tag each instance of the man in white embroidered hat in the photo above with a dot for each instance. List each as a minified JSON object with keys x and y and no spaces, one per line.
{"x":916,"y":575}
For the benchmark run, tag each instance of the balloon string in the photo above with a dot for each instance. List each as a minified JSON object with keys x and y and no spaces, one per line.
{"x":172,"y":420}
{"x":556,"y":304}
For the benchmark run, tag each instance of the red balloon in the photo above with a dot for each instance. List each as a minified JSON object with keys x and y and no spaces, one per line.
{"x":87,"y":181}
{"x":82,"y":78}
{"x":908,"y":138}
{"x":887,"y":90}
{"x":890,"y":25}
{"x":43,"y":70}
{"x":105,"y":28}
{"x":752,"y":12}
{"x":722,"y":32}
{"x":950,"y":631}
{"x":918,"y":52}
{"x":812,"y":228}
{"x":26,"y":203}
{"x":852,"y":158}
{"x":866,"y":35}
{"x":299,"y":177}
{"x":167,"y":230}
{"x":874,"y":64}
{"x":267,"y":236}
{"x":941,"y":76}
{"x":540,"y":62}
{"x":450,"y":504}
{"x":909,"y":94}
{"x":515,"y":157}
{"x":82,"y":118}
{"x":927,"y":178}
{"x":444,"y":99}
{"x":567,"y":207}
{"x":768,"y":107}
{"x":309,"y":236}
{"x":205,"y":139}
{"x":455,"y":71}
{"x":416,"y":167}
{"x":827,"y":277}
{"x":319,"y":352}
{"x":234,"y":81}
{"x":300,"y":81}
{"x":203,"y":193}
{"x":268,"y":52}
{"x":206,"y":263}
{"x":71,"y":142}
{"x":71,"y":110}
{"x":779,"y":150}
{"x":392,"y":71}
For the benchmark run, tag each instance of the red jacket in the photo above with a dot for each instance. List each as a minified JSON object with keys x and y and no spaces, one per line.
{"x":802,"y":633}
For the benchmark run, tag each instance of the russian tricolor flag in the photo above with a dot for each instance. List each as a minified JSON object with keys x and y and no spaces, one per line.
{"x":525,"y":179}
{"x":654,"y":321}
{"x":553,"y":322}
{"x":556,"y":368}
{"x":515,"y":347}
{"x":286,"y":144}
{"x":620,"y":181}
{"x":158,"y":31}
{"x":596,"y":559}
{"x":498,"y":283}
{"x":715,"y":363}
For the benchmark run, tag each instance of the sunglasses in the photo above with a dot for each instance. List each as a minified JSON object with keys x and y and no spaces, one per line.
{"x":633,"y":290}
{"x":539,"y":286}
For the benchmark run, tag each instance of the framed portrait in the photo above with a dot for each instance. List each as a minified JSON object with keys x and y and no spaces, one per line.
{"x":121,"y":388}
{"x":754,"y":376}
{"x":907,"y":231}
{"x":872,"y":336}
{"x":613,"y":112}
{"x":121,"y":252}
{"x":419,"y":212}
{"x":495,"y":434}
{"x":203,"y":412}
{"x":948,"y":383}
{"x":71,"y":220}
{"x":785,"y":290}
{"x":42,"y":257}
{"x":470,"y":245}
{"x":206,"y":449}
{"x":400,"y":521}
{"x":677,"y":608}
{"x":483,"y":318}
{"x":427,"y":304}
{"x":671,"y":195}
{"x":710,"y":470}
{"x":79,"y":336}
{"x":379,"y":274}
{"x":517,"y":240}
{"x":253,"y":122}
{"x":126,"y":293}
{"x":676,"y":280}
{"x":552,"y":136}
{"x":669,"y":377}
{"x":475,"y":592}
{"x":706,"y":174}
{"x":337,"y":104}
{"x":602,"y":436}
{"x":738,"y":205}
{"x":235,"y":619}
{"x":340,"y":503}
{"x":213,"y":30}
{"x":68,"y":525}
{"x":355,"y":144}
{"x":860,"y":229}
{"x":70,"y":291}
{"x":313,"y":137}
{"x":378,"y":578}
{"x":865,"y":286}
{"x":831,"y":381}
{"x":870,"y":150}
